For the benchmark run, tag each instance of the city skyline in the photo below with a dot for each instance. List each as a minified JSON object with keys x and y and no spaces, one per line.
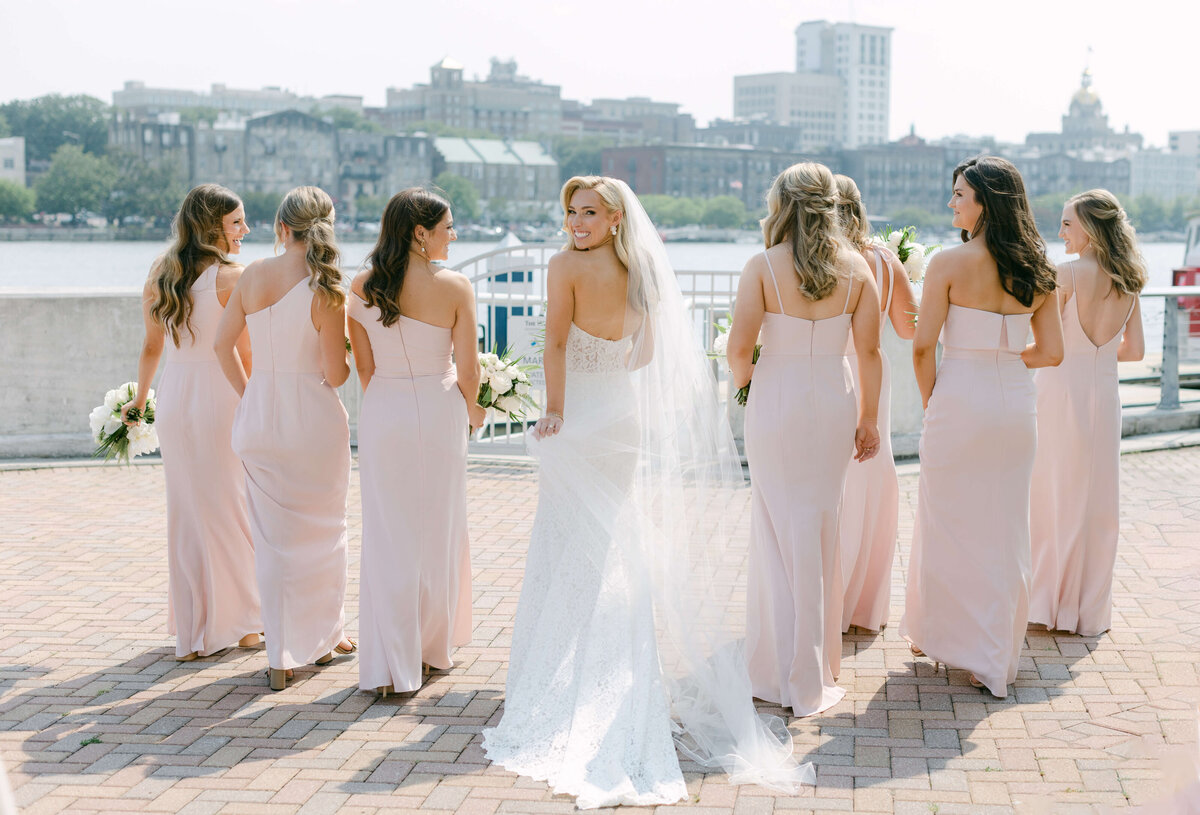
{"x":946,"y":78}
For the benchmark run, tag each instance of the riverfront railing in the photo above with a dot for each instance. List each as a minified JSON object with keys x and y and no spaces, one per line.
{"x":510,"y":296}
{"x":1168,"y":396}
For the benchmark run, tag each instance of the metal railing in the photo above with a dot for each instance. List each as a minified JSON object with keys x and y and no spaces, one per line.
{"x":1168,"y":397}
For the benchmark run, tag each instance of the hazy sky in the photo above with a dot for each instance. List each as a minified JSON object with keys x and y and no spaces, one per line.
{"x":957,"y":66}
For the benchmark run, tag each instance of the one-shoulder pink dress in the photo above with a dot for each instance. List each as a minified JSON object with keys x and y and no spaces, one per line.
{"x":293,"y":437}
{"x":967,"y":598}
{"x":212,"y":596}
{"x":415,"y":586}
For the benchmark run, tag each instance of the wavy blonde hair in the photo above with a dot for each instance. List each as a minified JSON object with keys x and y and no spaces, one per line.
{"x":802,"y":208}
{"x":308,"y":212}
{"x":1112,"y":237}
{"x":851,"y":214}
{"x":197,"y":242}
{"x":612,"y":192}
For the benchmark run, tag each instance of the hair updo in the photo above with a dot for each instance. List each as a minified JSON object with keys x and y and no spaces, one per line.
{"x":308,"y":213}
{"x":802,"y":208}
{"x":1112,"y":238}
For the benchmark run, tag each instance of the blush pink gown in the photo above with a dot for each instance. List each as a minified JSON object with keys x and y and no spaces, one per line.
{"x":967,"y":598}
{"x":871,"y":507}
{"x":292,"y":434}
{"x":415,"y":600}
{"x":800,"y":421}
{"x":212,"y":598}
{"x":1075,"y":499}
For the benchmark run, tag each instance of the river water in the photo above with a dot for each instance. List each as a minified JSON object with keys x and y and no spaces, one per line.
{"x":58,"y":266}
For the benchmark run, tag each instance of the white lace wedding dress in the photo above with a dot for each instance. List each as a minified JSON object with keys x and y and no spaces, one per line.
{"x":586,"y":709}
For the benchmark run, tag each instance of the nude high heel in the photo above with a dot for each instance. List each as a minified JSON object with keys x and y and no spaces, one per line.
{"x":277,"y":678}
{"x":917,"y":652}
{"x":325,"y":660}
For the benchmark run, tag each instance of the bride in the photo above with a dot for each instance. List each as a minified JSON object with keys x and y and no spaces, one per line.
{"x":622,"y":649}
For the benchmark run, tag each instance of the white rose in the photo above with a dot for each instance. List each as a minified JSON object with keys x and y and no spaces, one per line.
{"x":500,"y":382}
{"x":915,"y":266}
{"x":489,"y":360}
{"x":523,"y":388}
{"x":96,"y":419}
{"x":143,"y":438}
{"x":510,"y":404}
{"x":111,"y":424}
{"x":895,"y":239}
{"x":112,"y":399}
{"x":721,"y":343}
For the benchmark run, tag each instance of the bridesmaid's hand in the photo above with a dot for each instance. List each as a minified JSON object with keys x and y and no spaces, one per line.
{"x":476,"y":416}
{"x":548,"y":425}
{"x":128,"y":406}
{"x":866,"y":440}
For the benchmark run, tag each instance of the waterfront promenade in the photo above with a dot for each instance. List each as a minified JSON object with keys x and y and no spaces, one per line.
{"x":97,"y":717}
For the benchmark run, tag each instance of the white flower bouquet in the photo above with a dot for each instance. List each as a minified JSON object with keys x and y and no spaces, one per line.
{"x":114,"y":438}
{"x":914,"y":256}
{"x":504,"y":385}
{"x":719,"y":349}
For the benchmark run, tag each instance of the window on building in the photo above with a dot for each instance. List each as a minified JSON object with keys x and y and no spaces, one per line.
{"x":9,"y":164}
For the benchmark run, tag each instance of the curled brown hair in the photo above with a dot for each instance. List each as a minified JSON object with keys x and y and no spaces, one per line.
{"x":197,"y":242}
{"x":1112,"y":237}
{"x":388,"y":261}
{"x":852,"y":215}
{"x":1008,"y":227}
{"x":802,"y":208}
{"x":308,"y":212}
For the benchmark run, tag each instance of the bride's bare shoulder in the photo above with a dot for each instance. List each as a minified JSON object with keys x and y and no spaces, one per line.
{"x":567,"y":263}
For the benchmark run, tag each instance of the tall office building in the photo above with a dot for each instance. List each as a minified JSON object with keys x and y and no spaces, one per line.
{"x":839,"y":94}
{"x":861,"y":56}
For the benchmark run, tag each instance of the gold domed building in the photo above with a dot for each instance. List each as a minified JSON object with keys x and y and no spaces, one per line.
{"x":1084,"y":127}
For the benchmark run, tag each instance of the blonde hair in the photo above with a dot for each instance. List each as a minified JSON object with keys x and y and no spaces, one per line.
{"x":612,"y":192}
{"x":308,"y":212}
{"x":1112,"y":238}
{"x":802,"y":208}
{"x":196,"y":243}
{"x":851,"y":214}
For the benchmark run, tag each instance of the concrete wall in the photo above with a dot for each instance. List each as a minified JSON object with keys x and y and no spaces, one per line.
{"x":61,"y":353}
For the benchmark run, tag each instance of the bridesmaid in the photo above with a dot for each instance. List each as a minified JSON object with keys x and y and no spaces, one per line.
{"x":212,"y":600}
{"x":406,"y":315}
{"x":871,"y":497}
{"x":292,"y":434}
{"x":801,"y":431}
{"x":967,"y":599}
{"x":1076,"y":495}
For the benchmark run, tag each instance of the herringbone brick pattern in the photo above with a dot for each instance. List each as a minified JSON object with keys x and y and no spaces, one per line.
{"x":97,"y":717}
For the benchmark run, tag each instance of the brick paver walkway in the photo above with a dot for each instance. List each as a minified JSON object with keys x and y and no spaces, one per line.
{"x":96,"y":716}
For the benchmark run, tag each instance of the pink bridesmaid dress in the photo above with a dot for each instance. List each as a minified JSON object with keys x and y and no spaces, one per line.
{"x":967,"y":598}
{"x":1075,"y":498}
{"x":212,"y":599}
{"x":292,"y":434}
{"x":800,"y":421}
{"x":415,"y":596}
{"x":871,"y":507}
